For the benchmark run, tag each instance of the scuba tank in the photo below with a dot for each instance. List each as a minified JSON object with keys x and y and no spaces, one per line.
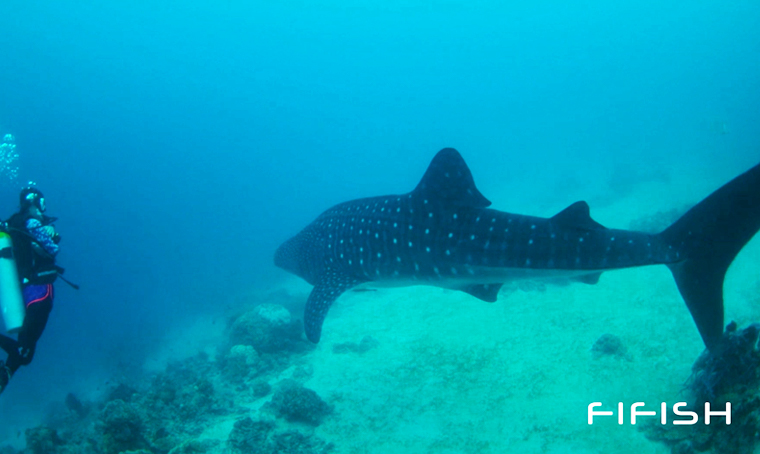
{"x":11,"y":303}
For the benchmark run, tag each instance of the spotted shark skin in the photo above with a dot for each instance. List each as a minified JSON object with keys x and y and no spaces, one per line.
{"x":443,"y":234}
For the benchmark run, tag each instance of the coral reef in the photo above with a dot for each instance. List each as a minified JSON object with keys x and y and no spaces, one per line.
{"x":268,"y":328}
{"x":609,"y":345}
{"x":293,"y":442}
{"x":122,"y":392}
{"x":168,"y":413}
{"x":294,"y":402}
{"x":193,"y":447}
{"x":122,"y":427}
{"x":259,"y":437}
{"x":242,"y":362}
{"x":183,"y":394}
{"x":731,"y":373}
{"x":75,"y":405}
{"x":261,"y":389}
{"x":250,"y":437}
{"x":366,"y":344}
{"x":42,"y":440}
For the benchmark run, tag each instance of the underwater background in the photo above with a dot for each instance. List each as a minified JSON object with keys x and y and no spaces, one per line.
{"x":180,"y":143}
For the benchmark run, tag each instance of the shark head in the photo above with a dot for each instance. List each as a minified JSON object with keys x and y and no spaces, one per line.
{"x":302,"y":255}
{"x":287,"y":256}
{"x":377,"y":238}
{"x":294,"y":256}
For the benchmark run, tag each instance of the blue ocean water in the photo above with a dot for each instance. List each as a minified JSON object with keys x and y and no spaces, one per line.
{"x":181,"y":142}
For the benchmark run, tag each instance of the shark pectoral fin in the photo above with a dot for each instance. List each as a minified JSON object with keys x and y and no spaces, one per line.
{"x":590,"y":279}
{"x":577,"y":215}
{"x":486,"y":292}
{"x":449,"y":181}
{"x":331,"y":285}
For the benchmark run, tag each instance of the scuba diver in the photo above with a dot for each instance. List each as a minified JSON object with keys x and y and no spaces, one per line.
{"x":35,"y":245}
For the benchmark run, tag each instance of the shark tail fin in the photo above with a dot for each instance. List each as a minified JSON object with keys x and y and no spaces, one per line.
{"x":708,"y":238}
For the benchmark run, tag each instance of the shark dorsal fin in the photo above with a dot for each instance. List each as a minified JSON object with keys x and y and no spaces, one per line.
{"x":448,"y":180}
{"x":577,"y":215}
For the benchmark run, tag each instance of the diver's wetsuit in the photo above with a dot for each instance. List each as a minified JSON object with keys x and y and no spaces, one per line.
{"x":39,"y":303}
{"x":34,"y":250}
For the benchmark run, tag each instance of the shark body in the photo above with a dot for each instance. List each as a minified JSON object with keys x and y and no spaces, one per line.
{"x":443,"y":234}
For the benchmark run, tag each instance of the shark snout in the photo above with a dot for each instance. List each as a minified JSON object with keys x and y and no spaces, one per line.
{"x":283,"y":257}
{"x":289,"y":256}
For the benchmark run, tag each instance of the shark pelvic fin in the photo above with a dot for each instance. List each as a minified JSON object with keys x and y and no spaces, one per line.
{"x":448,"y":181}
{"x":590,"y":279}
{"x":486,"y":292}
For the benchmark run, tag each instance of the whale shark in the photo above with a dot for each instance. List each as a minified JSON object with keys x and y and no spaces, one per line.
{"x":443,"y":234}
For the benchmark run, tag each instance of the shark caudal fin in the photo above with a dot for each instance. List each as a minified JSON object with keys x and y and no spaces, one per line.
{"x":708,"y":238}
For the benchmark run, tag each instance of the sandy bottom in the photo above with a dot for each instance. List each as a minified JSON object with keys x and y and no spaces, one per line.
{"x":452,"y":374}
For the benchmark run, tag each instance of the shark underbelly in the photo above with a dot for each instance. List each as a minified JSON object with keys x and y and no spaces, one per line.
{"x":475,"y":275}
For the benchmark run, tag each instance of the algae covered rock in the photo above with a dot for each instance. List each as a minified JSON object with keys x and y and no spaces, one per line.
{"x":75,"y":406}
{"x":259,"y":437}
{"x":241,"y":362}
{"x":121,"y":392}
{"x":609,"y":345}
{"x":294,"y":402}
{"x":246,"y":353}
{"x":122,"y":428}
{"x":250,"y":437}
{"x":366,"y":344}
{"x":42,"y":440}
{"x":261,"y":388}
{"x":182,"y":394}
{"x":193,"y":447}
{"x":268,"y":328}
{"x":293,"y":442}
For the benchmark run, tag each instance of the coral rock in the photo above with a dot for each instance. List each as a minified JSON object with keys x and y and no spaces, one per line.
{"x":296,"y":403}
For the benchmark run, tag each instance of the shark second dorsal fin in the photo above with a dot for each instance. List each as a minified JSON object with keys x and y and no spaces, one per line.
{"x":449,"y":181}
{"x":577,"y":215}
